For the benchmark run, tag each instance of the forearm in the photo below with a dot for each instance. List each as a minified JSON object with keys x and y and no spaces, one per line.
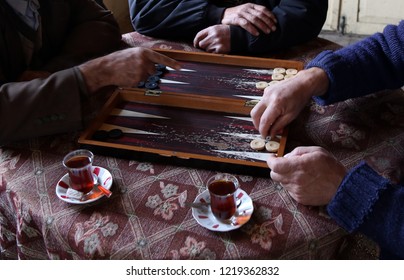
{"x":368,"y":66}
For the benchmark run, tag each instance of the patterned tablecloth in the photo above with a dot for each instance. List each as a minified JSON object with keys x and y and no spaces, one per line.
{"x":147,"y":217}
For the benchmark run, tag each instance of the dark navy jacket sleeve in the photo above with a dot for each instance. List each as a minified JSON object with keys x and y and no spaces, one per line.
{"x":173,"y":19}
{"x":298,"y":21}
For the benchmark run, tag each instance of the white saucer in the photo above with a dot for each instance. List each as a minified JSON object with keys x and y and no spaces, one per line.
{"x":104,"y":179}
{"x":204,"y":216}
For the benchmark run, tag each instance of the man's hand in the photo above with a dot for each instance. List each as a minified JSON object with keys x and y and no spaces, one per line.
{"x":252,"y":17}
{"x":282,"y":102}
{"x":125,"y":68}
{"x":214,"y":39}
{"x":311,"y":175}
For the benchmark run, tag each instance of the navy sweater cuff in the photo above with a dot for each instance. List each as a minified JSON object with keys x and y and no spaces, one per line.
{"x":356,"y":197}
{"x":335,"y":66}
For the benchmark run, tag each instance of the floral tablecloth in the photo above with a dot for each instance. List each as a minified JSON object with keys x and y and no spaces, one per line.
{"x":147,"y":217}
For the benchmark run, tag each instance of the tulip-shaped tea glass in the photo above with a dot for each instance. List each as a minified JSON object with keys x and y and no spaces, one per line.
{"x":223,"y":202}
{"x":79,"y":166}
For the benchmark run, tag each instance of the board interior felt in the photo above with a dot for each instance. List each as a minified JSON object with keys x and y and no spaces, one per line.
{"x":207,"y":120}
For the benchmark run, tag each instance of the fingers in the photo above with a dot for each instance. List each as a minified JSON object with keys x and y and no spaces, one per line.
{"x":199,"y":37}
{"x":208,"y":44}
{"x":281,"y":170}
{"x":247,"y":24}
{"x":251,"y":17}
{"x":268,"y":118}
{"x":280,"y":165}
{"x":154,"y":57}
{"x":269,"y":18}
{"x":278,"y":125}
{"x":290,"y":163}
{"x":268,"y":114}
{"x":123,"y":68}
{"x":145,"y":60}
{"x":260,"y":17}
{"x":215,"y":39}
{"x":281,"y":104}
{"x":256,"y":114}
{"x":286,"y":171}
{"x":202,"y":39}
{"x":165,"y":60}
{"x":276,"y":177}
{"x":283,"y":167}
{"x":311,"y":175}
{"x":270,"y":121}
{"x":305,"y":150}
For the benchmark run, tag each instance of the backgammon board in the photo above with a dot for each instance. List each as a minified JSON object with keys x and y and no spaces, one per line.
{"x":198,"y":116}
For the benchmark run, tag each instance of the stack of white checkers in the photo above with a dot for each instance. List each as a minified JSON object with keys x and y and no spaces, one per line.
{"x":279,"y":74}
{"x":260,"y":144}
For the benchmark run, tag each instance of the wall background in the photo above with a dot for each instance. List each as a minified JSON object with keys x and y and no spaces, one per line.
{"x":120,"y":8}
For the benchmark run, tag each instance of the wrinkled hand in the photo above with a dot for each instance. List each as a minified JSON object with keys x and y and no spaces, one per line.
{"x":125,"y":68}
{"x":252,"y":17}
{"x":282,"y":102}
{"x":214,"y":39}
{"x":311,"y":175}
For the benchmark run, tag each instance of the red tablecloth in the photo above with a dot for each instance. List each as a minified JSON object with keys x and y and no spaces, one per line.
{"x":146,"y":217}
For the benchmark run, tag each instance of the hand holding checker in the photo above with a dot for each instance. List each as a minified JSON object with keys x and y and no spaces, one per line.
{"x":125,"y":68}
{"x":306,"y":174}
{"x":282,"y":102}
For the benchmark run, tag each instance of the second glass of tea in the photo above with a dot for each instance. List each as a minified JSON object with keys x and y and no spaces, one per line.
{"x":223,"y":201}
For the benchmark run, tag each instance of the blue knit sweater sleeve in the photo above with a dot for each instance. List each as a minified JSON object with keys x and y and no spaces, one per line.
{"x":365,"y":201}
{"x":369,"y":203}
{"x":368,"y":66}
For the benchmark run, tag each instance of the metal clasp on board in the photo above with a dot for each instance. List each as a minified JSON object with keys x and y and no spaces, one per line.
{"x":153,"y":92}
{"x":251,"y":103}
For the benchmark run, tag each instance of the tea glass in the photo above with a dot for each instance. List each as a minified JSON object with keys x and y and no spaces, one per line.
{"x":79,"y":165}
{"x":223,"y":201}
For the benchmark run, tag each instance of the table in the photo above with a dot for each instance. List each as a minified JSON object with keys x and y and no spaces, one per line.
{"x":145,"y":217}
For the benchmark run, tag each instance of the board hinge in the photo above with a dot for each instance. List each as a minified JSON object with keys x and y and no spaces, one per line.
{"x":153,"y":92}
{"x":251,"y":103}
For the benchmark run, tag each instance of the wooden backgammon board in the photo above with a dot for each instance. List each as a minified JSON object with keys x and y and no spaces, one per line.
{"x":197,"y":117}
